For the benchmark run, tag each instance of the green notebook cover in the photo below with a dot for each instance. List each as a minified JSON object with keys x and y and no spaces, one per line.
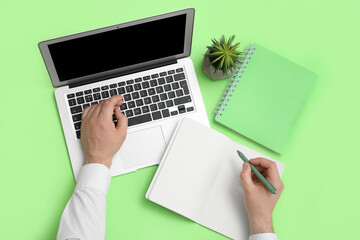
{"x":266,"y":98}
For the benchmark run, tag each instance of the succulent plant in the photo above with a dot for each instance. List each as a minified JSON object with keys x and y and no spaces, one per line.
{"x":223,"y":55}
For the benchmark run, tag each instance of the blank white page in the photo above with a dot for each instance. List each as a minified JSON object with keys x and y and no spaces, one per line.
{"x":199,"y":178}
{"x":225,"y":211}
{"x":188,"y":170}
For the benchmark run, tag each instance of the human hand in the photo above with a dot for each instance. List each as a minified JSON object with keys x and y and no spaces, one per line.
{"x":259,"y":201}
{"x":100,"y":139}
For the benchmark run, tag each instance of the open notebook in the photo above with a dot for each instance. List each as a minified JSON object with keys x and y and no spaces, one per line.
{"x":198,"y":177}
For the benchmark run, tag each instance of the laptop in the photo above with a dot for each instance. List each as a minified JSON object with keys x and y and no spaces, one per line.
{"x":146,"y":61}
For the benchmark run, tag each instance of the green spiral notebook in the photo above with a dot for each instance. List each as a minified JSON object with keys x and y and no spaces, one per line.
{"x":265,"y":98}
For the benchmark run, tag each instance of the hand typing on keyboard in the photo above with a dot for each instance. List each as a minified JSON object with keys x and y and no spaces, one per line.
{"x":100,"y":138}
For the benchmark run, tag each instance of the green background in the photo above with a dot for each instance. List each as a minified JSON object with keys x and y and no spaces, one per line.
{"x":321,"y":197}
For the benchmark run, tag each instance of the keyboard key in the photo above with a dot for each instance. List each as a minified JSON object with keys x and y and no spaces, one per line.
{"x":185,"y":87}
{"x":79,"y":94}
{"x":169,"y":103}
{"x":129,"y":113}
{"x":86,"y":105}
{"x":162,"y":74}
{"x":153,"y":107}
{"x":76,"y":109}
{"x":135,"y":95}
{"x":159,"y":89}
{"x":137,"y":111}
{"x":123,"y":107}
{"x":175,"y":85}
{"x":139,"y":102}
{"x":145,"y":85}
{"x":146,"y":78}
{"x":137,"y":86}
{"x":163,"y":96}
{"x":88,"y":98}
{"x":143,"y":93}
{"x":113,"y":85}
{"x":88,"y":91}
{"x":127,"y":97}
{"x":169,"y":79}
{"x":156,"y":115}
{"x":161,"y":81}
{"x":138,"y":79}
{"x":145,"y":109}
{"x":128,"y":82}
{"x":113,"y":92}
{"x":121,"y":90}
{"x":179,"y":93}
{"x":179,"y":76}
{"x":161,"y":105}
{"x":167,"y":87}
{"x":120,"y":84}
{"x":179,"y":70}
{"x":80,"y":100}
{"x":76,"y":117}
{"x":182,"y":100}
{"x":77,"y":125}
{"x":189,"y":109}
{"x":72,"y":102}
{"x":154,"y":76}
{"x":139,"y":119}
{"x":171,"y":94}
{"x":105,"y":94}
{"x":78,"y":135}
{"x":71,"y":95}
{"x":171,"y":72}
{"x":97,"y":96}
{"x":155,"y":98}
{"x":147,"y":100}
{"x":173,"y":113}
{"x":153,"y":83}
{"x":104,"y":87}
{"x":151,"y":91}
{"x":94,"y":103}
{"x":182,"y":109}
{"x":96,"y":90}
{"x":131,"y":104}
{"x":129,"y":88}
{"x":165,"y":113}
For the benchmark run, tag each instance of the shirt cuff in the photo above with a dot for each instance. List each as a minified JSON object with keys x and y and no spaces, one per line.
{"x":264,"y":236}
{"x":94,"y":175}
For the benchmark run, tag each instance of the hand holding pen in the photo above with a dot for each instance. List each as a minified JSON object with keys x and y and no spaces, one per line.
{"x":259,"y":201}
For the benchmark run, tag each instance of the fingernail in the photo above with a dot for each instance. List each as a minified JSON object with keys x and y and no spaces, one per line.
{"x":244,"y":165}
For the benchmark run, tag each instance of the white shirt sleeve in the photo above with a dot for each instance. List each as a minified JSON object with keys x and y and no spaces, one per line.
{"x":84,"y":216}
{"x":264,"y":236}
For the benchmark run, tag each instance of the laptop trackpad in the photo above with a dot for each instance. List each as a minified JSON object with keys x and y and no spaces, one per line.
{"x":143,"y":148}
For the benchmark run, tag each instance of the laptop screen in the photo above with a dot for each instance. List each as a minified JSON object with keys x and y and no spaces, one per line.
{"x":119,"y":48}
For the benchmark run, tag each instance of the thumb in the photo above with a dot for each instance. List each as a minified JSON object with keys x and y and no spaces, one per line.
{"x":122,"y":121}
{"x":245,"y":177}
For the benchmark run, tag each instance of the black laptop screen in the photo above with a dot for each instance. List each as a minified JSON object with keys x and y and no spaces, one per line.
{"x":119,"y":48}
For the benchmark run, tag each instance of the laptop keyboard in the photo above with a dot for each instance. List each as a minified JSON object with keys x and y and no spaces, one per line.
{"x":146,"y":99}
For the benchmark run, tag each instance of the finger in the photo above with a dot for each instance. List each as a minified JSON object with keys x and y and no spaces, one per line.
{"x":122,"y":121}
{"x":85,"y":113}
{"x":270,"y":169}
{"x":107,"y":106}
{"x":245,"y":177}
{"x":88,"y":112}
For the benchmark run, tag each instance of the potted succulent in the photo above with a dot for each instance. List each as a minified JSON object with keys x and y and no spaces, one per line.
{"x":222,"y":58}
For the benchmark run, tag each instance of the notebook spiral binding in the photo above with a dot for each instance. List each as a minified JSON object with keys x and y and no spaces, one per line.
{"x":249,"y":51}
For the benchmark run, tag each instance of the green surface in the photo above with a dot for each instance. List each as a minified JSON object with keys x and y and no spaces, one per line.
{"x":321,"y":196}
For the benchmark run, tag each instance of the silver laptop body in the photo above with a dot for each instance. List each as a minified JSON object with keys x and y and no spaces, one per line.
{"x":147,"y":62}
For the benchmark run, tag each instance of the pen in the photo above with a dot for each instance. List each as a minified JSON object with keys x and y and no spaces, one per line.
{"x":268,"y":185}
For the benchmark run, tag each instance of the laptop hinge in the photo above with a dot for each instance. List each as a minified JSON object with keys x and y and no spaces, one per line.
{"x":77,"y":84}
